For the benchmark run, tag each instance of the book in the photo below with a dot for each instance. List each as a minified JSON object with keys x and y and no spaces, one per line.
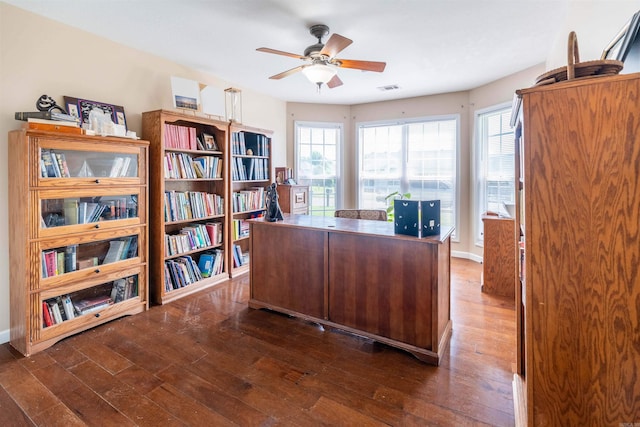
{"x":68,"y":307}
{"x":70,"y":254}
{"x":54,"y":122}
{"x":60,"y":304}
{"x":205,"y":264}
{"x":46,"y":315}
{"x":91,"y":304}
{"x":62,"y":163}
{"x":70,"y":211}
{"x":46,"y":115}
{"x":60,"y":262}
{"x":50,"y":263}
{"x":87,"y":263}
{"x":55,"y":309}
{"x":118,"y":291}
{"x":48,"y":170}
{"x":115,"y":251}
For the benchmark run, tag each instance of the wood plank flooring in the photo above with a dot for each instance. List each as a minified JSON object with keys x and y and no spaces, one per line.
{"x":209,"y":360}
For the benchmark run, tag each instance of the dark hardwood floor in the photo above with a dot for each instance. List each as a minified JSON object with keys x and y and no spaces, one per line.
{"x":208,"y":360}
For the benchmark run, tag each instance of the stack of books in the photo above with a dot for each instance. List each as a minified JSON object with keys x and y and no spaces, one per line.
{"x":50,"y":121}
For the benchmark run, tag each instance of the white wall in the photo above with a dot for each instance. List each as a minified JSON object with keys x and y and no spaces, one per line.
{"x":40,"y":56}
{"x":595,"y":24}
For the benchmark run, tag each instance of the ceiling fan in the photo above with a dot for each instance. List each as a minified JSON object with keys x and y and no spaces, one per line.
{"x":321,"y":64}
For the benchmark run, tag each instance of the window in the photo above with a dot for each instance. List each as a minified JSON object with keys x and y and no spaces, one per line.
{"x":419,"y":157}
{"x":495,"y":168}
{"x":317,"y":149}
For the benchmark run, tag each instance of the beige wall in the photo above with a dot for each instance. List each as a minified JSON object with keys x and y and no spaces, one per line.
{"x":40,"y":56}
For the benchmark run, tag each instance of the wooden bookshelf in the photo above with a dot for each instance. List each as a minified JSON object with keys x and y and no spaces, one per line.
{"x":185,"y":200}
{"x":250,"y":153}
{"x":77,"y":234}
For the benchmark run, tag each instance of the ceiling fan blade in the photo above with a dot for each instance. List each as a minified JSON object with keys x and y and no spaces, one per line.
{"x":334,"y":82}
{"x":287,"y":73}
{"x":279,"y":52}
{"x":334,"y":45}
{"x":361,"y":65}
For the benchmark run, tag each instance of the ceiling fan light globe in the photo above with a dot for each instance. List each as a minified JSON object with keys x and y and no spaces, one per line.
{"x":319,"y":73}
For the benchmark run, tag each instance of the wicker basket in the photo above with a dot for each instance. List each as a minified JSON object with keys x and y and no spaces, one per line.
{"x":576,"y":69}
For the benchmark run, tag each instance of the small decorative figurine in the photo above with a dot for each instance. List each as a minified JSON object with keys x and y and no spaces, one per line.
{"x":46,"y":103}
{"x":274,"y":213}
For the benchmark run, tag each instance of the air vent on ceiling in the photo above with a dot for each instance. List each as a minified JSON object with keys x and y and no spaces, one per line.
{"x":388,"y":87}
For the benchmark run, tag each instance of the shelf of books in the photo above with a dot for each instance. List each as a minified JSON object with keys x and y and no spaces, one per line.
{"x":188,"y":192}
{"x":78,"y":234}
{"x":250,"y":175}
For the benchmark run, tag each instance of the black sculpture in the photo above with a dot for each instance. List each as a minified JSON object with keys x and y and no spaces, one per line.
{"x":274,"y":213}
{"x":46,"y":103}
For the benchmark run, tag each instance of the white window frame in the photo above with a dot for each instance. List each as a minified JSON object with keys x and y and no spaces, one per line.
{"x":455,"y":237}
{"x":297,"y":124}
{"x":478,"y":170}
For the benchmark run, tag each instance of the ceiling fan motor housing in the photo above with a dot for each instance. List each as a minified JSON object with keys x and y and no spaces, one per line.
{"x":318,"y":31}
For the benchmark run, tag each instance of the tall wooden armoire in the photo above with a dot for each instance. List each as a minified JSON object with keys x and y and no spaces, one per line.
{"x":578,"y":292}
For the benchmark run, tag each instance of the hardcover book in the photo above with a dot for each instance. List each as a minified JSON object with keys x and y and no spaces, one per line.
{"x":46,"y":115}
{"x":205,"y":264}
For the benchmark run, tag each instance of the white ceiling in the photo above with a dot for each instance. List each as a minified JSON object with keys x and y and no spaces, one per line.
{"x":430,"y":46}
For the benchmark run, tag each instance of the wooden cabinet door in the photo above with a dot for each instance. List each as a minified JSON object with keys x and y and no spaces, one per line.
{"x":383,"y":286}
{"x":298,"y":282}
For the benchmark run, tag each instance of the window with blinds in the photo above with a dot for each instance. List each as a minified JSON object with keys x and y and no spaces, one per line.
{"x":495,"y":171}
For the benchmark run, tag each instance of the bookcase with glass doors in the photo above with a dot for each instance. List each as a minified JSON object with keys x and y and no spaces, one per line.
{"x":77,"y":234}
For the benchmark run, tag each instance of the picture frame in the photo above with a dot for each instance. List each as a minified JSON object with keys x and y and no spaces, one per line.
{"x":209,"y":142}
{"x":620,"y":46}
{"x":185,"y":93}
{"x":81,"y":108}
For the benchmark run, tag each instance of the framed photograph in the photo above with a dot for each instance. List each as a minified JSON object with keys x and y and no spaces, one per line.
{"x":82,"y":107}
{"x":185,"y":93}
{"x":209,"y":142}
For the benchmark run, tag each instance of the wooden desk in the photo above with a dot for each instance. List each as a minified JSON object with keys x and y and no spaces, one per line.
{"x":358,"y":276}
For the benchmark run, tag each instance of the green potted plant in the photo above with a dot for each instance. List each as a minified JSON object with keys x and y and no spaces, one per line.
{"x":390,"y":198}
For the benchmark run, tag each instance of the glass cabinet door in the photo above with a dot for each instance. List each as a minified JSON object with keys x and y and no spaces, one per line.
{"x":75,"y":211}
{"x":86,"y":163}
{"x":85,"y":210}
{"x":67,"y":259}
{"x":57,"y":163}
{"x":71,"y":305}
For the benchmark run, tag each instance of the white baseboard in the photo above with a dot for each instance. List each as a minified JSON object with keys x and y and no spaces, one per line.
{"x":467,"y":255}
{"x":4,"y":336}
